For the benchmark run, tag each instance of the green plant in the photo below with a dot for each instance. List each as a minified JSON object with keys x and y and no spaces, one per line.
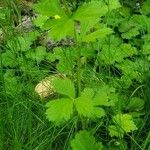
{"x":85,"y":27}
{"x":96,"y":75}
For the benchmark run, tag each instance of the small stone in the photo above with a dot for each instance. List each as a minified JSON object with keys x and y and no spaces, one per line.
{"x":44,"y":88}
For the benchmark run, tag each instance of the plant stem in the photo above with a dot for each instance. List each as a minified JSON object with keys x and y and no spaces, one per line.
{"x":77,"y":48}
{"x":79,"y":75}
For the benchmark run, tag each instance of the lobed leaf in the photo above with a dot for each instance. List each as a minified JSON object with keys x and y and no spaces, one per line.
{"x":59,"y":110}
{"x":85,"y":141}
{"x":64,"y":86}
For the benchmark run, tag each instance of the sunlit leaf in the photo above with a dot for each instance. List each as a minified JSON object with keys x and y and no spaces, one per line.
{"x":60,"y":110}
{"x":85,"y":141}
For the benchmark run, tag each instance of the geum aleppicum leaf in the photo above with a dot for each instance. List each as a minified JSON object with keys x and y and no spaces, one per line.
{"x":60,"y":110}
{"x":38,"y":54}
{"x":94,"y":10}
{"x":112,"y":53}
{"x":64,"y":86}
{"x":85,"y":141}
{"x":48,"y":8}
{"x":59,"y":28}
{"x":99,"y":34}
{"x":22,"y":43}
{"x":62,"y":25}
{"x":130,"y":33}
{"x":85,"y":105}
{"x":9,"y":59}
{"x":123,"y":123}
{"x":90,"y":11}
{"x":103,"y":96}
{"x":113,"y":4}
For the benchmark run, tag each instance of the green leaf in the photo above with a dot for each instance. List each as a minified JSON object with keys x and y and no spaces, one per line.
{"x":48,"y":8}
{"x":140,"y":21}
{"x":38,"y":54}
{"x":66,"y":57}
{"x":88,"y":14}
{"x":145,"y":7}
{"x":125,"y":121}
{"x":60,"y":110}
{"x":90,"y":11}
{"x":9,"y":59}
{"x":99,"y":34}
{"x":134,"y":69}
{"x":135,"y":104}
{"x":130,"y":33}
{"x":60,"y":28}
{"x":85,"y":105}
{"x":22,"y":43}
{"x":2,"y":13}
{"x":115,"y":131}
{"x":65,"y":66}
{"x":123,"y":124}
{"x":86,"y":25}
{"x":85,"y":141}
{"x":103,"y":97}
{"x":64,"y":86}
{"x":40,"y":20}
{"x":111,"y":54}
{"x":98,"y":112}
{"x":56,"y":55}
{"x":146,"y":48}
{"x":12,"y":84}
{"x":113,"y":4}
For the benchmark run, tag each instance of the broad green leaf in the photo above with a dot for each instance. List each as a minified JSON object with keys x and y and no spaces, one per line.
{"x":135,"y":104}
{"x":56,"y":55}
{"x":60,"y":110}
{"x":145,"y":7}
{"x":22,"y":43}
{"x":89,"y":11}
{"x":64,"y":86}
{"x":98,"y":112}
{"x":134,"y":69}
{"x":9,"y":59}
{"x":60,"y":28}
{"x":113,"y":4}
{"x":86,"y":25}
{"x":48,"y":8}
{"x":2,"y":13}
{"x":65,"y":65}
{"x":115,"y":131}
{"x":146,"y":48}
{"x":12,"y":84}
{"x":125,"y":123}
{"x":111,"y":54}
{"x":140,"y":21}
{"x":99,"y":34}
{"x":105,"y":96}
{"x":40,"y":20}
{"x":66,"y":57}
{"x":38,"y":54}
{"x":130,"y":33}
{"x":85,"y":105}
{"x":85,"y":141}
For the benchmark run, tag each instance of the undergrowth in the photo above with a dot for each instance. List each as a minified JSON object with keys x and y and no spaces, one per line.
{"x":74,"y":75}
